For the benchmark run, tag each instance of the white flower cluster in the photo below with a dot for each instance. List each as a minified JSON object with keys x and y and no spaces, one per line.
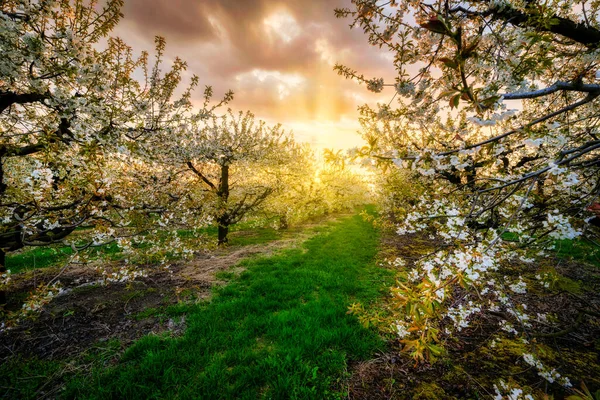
{"x":550,"y":375}
{"x":506,"y":391}
{"x":405,"y":89}
{"x":533,"y":143}
{"x":555,"y":169}
{"x":375,"y":85}
{"x":561,"y":226}
{"x":398,"y":262}
{"x":527,"y":260}
{"x":519,"y":287}
{"x":411,"y":224}
{"x":572,"y":179}
{"x":401,"y":330}
{"x":384,"y":112}
{"x":5,"y":278}
{"x":494,"y":118}
{"x":545,"y":279}
{"x":124,"y":274}
{"x":40,"y":297}
{"x":508,"y":327}
{"x":460,"y":315}
{"x":39,"y":181}
{"x":103,"y":237}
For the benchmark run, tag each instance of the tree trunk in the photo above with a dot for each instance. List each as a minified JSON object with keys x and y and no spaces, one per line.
{"x":283,"y":222}
{"x":222,"y":237}
{"x":2,"y":271}
{"x":223,"y":194}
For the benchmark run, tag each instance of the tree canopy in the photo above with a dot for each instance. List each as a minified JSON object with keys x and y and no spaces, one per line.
{"x":496,"y":113}
{"x":76,"y":110}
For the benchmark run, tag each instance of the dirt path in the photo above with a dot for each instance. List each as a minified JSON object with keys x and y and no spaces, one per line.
{"x":203,"y":268}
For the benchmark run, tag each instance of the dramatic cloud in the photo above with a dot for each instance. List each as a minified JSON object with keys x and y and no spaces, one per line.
{"x":277,"y":56}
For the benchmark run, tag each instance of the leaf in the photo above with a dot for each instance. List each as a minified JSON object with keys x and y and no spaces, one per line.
{"x":435,"y":349}
{"x":447,"y":93}
{"x":449,"y":62}
{"x":434,"y":24}
{"x":454,"y":100}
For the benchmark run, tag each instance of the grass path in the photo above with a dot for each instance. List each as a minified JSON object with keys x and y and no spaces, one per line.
{"x":279,"y":330}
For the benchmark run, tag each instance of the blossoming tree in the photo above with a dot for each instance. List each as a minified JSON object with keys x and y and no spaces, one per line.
{"x":497,"y":113}
{"x":71,"y":117}
{"x":234,"y":160}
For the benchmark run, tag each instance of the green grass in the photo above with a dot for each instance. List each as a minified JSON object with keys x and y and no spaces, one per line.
{"x":22,"y":378}
{"x":279,"y":330}
{"x":578,"y":249}
{"x":41,"y":257}
{"x":50,"y":256}
{"x":33,"y":378}
{"x":254,"y":236}
{"x":242,"y":234}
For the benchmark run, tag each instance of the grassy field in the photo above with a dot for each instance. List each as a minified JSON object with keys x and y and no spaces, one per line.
{"x":278,"y":330}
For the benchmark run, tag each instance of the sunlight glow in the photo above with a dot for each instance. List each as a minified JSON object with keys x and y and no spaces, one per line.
{"x":327,"y":134}
{"x":285,"y":83}
{"x":283,"y":25}
{"x":326,"y":52}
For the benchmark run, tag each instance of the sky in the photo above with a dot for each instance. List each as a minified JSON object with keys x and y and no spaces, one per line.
{"x":276,"y":55}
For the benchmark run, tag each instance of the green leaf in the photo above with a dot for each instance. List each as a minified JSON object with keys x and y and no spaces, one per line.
{"x":450,"y":63}
{"x":455,"y":100}
{"x":447,"y":93}
{"x":554,"y":21}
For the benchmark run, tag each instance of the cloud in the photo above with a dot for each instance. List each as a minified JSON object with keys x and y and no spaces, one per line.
{"x":283,"y":26}
{"x":282,"y":84}
{"x":277,"y":56}
{"x":180,"y":19}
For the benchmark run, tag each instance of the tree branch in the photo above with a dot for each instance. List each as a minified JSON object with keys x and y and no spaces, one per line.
{"x":560,"y":85}
{"x":7,"y":99}
{"x":578,"y":32}
{"x":590,"y":97}
{"x":199,"y":174}
{"x":22,"y":151}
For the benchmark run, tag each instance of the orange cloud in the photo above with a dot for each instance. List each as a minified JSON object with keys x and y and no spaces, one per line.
{"x":276,"y":56}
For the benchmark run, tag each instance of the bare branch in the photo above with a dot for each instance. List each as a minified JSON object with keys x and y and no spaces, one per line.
{"x":590,"y":97}
{"x":200,"y":175}
{"x":560,"y":85}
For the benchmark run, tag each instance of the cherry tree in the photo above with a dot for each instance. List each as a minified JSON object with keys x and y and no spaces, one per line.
{"x":296,"y":199}
{"x":235,"y":161}
{"x":496,"y":113}
{"x":344,"y":184}
{"x":72,"y":117}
